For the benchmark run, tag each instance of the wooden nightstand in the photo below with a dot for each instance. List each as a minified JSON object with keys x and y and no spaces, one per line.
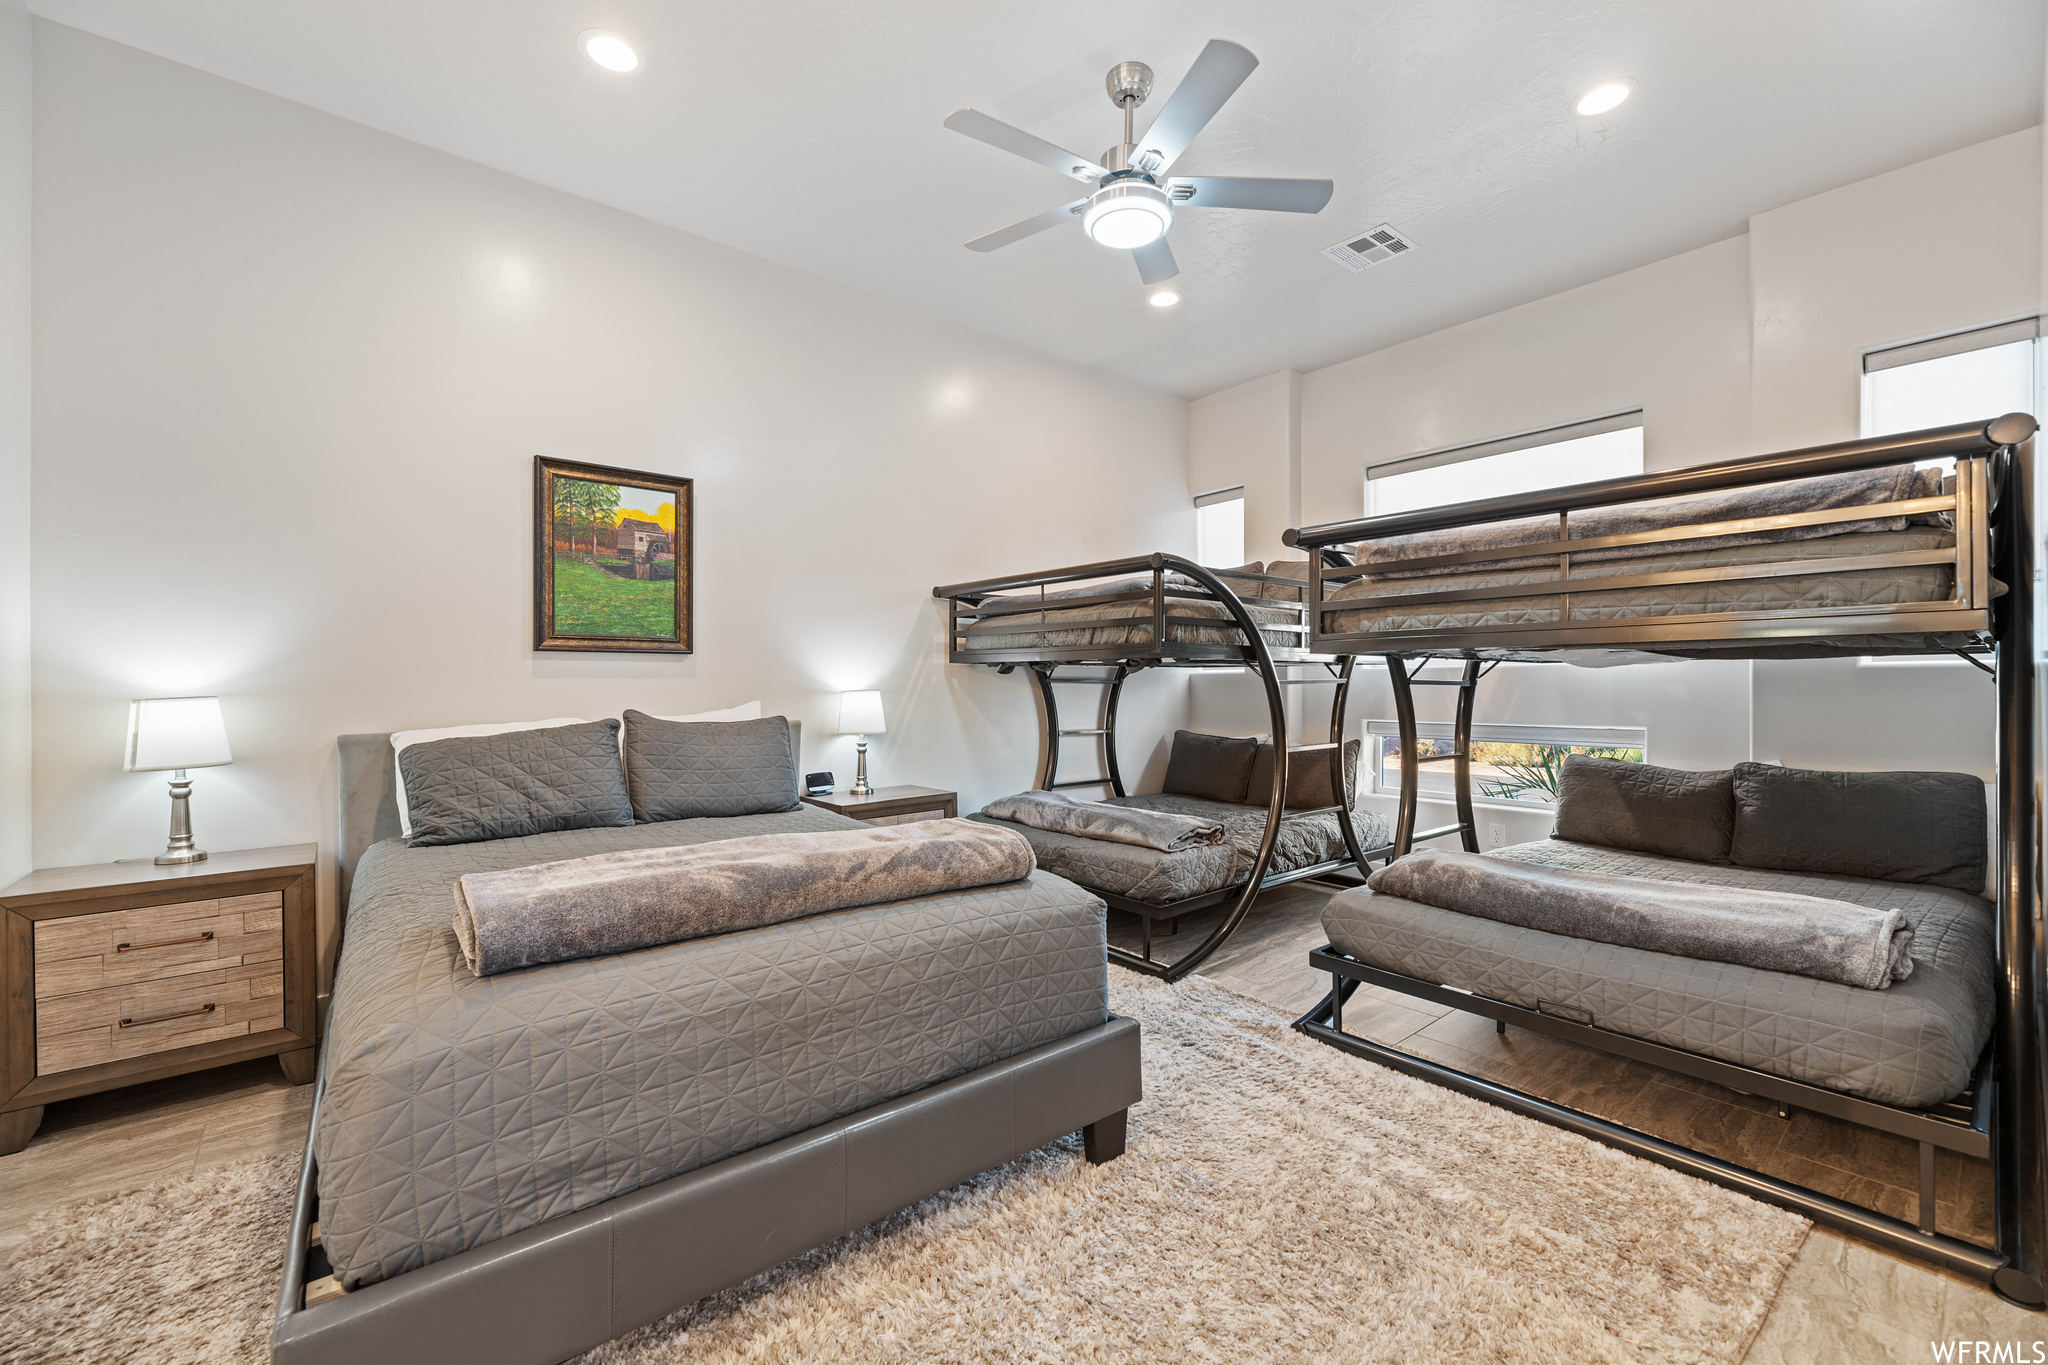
{"x":126,"y":972}
{"x":891,"y":805}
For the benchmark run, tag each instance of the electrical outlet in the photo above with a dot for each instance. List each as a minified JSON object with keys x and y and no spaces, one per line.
{"x":1496,"y":836}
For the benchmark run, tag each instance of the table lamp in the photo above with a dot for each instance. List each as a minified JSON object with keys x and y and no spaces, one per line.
{"x":860,"y":714}
{"x":176,"y":733}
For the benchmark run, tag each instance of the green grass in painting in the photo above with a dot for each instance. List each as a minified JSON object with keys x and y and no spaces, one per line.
{"x":589,"y":601}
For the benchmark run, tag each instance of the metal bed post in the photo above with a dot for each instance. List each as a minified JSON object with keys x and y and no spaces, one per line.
{"x":2018,"y":1119}
{"x":1411,"y":761}
{"x":1461,"y":761}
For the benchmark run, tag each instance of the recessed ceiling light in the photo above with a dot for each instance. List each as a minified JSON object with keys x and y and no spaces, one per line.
{"x":1165,"y":298}
{"x":1602,"y":98}
{"x":608,"y":49}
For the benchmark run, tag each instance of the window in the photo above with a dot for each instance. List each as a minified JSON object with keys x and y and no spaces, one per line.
{"x":1960,"y":378}
{"x":1219,"y":528}
{"x":1519,"y":764}
{"x":1603,"y":448}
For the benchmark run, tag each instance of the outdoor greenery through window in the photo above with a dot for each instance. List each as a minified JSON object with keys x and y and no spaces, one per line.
{"x":1518,"y":763}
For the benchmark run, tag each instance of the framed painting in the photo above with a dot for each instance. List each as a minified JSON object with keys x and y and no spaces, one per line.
{"x":611,"y":559}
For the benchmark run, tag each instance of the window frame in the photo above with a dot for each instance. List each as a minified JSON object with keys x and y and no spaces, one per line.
{"x":1215,"y":497}
{"x":1624,"y":419}
{"x":1497,"y":732}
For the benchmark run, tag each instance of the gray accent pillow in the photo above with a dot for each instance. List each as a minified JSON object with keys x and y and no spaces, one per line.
{"x":683,"y":770}
{"x":474,"y":787}
{"x":1646,"y":809}
{"x":1899,"y":827}
{"x":1308,"y":778}
{"x":1213,"y":767}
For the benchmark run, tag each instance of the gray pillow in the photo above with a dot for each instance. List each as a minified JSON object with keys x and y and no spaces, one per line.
{"x":1308,"y":778}
{"x":683,"y":770}
{"x":1647,"y":809}
{"x":1900,"y":827}
{"x":1213,"y":767}
{"x":475,"y":787}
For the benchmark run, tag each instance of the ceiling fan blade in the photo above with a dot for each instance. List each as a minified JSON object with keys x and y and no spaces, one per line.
{"x":1017,"y":232}
{"x":1214,"y":78}
{"x":1155,"y":262}
{"x":1250,"y":192}
{"x":997,"y":133}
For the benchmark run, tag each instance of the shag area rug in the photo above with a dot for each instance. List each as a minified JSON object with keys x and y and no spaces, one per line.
{"x":1280,"y":1201}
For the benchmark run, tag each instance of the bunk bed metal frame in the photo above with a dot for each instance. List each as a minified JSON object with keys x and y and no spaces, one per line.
{"x":2001,"y":1117}
{"x":987,"y":607}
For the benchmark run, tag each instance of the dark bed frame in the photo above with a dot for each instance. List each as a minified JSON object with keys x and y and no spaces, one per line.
{"x":2001,"y":1117}
{"x":572,"y":1283}
{"x":989,"y":607}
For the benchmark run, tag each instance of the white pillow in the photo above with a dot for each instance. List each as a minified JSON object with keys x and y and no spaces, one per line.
{"x":749,"y":711}
{"x":409,"y":737}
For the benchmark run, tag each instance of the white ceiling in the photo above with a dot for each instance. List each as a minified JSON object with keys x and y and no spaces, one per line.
{"x":808,"y":132}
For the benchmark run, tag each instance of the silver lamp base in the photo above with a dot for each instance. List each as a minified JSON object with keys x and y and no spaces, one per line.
{"x":181,"y":849}
{"x":860,"y":785}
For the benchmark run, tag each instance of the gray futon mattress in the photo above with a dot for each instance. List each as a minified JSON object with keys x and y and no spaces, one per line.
{"x":1914,"y":1044}
{"x":459,"y":1109}
{"x":1158,"y":878}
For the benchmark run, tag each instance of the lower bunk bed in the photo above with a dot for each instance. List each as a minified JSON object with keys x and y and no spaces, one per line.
{"x":518,"y":1167}
{"x":1911,"y":1058}
{"x":1167,"y":884}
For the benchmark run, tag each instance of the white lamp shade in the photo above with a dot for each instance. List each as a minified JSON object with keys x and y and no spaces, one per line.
{"x":860,"y":713}
{"x":176,"y":732}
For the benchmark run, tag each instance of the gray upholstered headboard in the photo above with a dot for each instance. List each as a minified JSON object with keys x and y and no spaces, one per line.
{"x":369,"y":799}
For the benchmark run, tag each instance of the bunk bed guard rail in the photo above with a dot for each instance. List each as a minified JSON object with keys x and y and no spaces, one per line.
{"x":1966,"y":610}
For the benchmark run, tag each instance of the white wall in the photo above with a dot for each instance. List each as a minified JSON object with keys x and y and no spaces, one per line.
{"x":16,"y":121}
{"x":1251,"y":434}
{"x":290,"y":377}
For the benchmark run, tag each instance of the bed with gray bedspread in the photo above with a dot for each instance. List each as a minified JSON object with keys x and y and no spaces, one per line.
{"x":1914,"y":1044}
{"x":1158,"y":878}
{"x":459,"y":1109}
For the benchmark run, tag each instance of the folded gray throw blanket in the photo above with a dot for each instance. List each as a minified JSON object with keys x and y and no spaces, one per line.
{"x":637,"y":898}
{"x":1894,"y":483}
{"x":1774,"y":931}
{"x":1163,"y":830}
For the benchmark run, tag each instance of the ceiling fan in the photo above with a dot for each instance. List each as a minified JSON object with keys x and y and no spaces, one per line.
{"x":1132,"y":204}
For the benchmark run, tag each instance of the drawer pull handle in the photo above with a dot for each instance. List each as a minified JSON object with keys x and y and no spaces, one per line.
{"x":166,"y":1018}
{"x":206,"y":937}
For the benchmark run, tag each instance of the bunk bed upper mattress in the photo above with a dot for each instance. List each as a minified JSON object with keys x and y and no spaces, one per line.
{"x":461,"y":1109}
{"x":1834,"y":588}
{"x":1915,"y":1044}
{"x":1157,"y":878}
{"x":1129,"y":623}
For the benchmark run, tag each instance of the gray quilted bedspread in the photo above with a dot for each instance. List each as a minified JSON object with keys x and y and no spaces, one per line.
{"x":1146,"y":874}
{"x":459,"y":1109}
{"x":1914,"y":1044}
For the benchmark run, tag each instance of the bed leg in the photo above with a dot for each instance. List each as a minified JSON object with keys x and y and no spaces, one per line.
{"x":1103,"y":1140}
{"x":1500,"y":1027}
{"x":1927,"y":1188}
{"x":1336,"y":1002}
{"x":1174,"y":928}
{"x":1145,"y":926}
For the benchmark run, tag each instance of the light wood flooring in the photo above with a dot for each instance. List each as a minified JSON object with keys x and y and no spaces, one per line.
{"x":1844,"y":1302}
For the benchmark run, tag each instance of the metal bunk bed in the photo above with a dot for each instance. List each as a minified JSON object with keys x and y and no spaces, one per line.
{"x":1989,"y":607}
{"x":1177,"y":614}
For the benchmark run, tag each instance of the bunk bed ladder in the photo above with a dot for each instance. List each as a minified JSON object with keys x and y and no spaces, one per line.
{"x":1104,"y":734}
{"x":1404,"y":683}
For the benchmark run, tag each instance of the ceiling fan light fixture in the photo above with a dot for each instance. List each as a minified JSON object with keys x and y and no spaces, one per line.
{"x":1128,"y":215}
{"x":1604,"y":98}
{"x":608,"y":50}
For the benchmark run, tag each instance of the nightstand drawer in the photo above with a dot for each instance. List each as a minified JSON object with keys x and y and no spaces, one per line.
{"x":155,"y":943}
{"x":117,"y":1022}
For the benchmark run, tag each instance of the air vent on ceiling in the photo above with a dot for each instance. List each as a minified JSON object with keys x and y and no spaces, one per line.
{"x":1369,"y":248}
